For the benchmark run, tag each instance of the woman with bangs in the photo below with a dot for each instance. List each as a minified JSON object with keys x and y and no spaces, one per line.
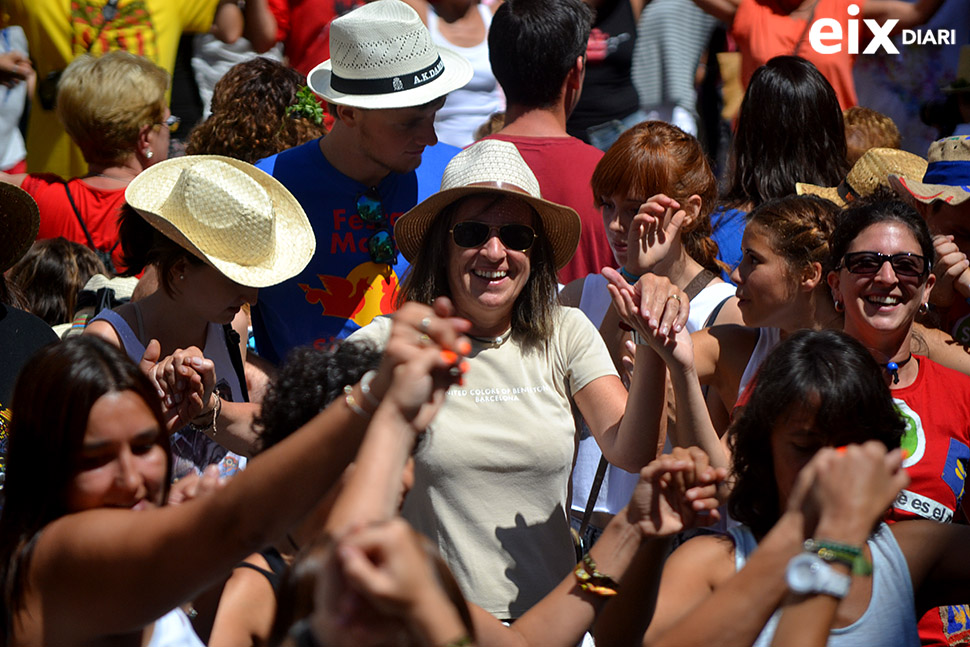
{"x":655,"y":190}
{"x":89,"y":552}
{"x":114,"y":108}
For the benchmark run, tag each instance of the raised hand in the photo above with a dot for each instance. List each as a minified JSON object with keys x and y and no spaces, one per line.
{"x":654,"y":229}
{"x":676,"y":491}
{"x":843,"y":492}
{"x":952,"y":271}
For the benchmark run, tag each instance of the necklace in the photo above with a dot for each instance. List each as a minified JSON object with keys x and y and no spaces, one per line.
{"x":494,"y":342}
{"x":893,"y":368}
{"x":111,"y":177}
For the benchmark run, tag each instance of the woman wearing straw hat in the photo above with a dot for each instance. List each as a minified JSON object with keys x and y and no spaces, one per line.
{"x":216,"y":229}
{"x":492,"y":478}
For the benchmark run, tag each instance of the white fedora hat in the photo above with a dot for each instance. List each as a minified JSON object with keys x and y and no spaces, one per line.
{"x":490,"y":166}
{"x":382,"y":56}
{"x":235,"y":217}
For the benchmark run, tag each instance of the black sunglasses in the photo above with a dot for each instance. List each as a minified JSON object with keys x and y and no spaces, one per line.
{"x":380,"y":245}
{"x":470,"y":233}
{"x":869,"y":263}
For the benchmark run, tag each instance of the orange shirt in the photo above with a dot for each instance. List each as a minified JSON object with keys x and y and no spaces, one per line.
{"x":763,"y":31}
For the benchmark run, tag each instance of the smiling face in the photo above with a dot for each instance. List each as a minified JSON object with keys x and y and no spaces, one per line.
{"x":766,"y":288}
{"x":880,"y":308}
{"x":484,"y":281}
{"x":121,"y":463}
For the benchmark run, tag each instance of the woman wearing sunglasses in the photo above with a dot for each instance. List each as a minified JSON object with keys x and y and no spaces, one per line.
{"x":492,"y":477}
{"x":114,"y":108}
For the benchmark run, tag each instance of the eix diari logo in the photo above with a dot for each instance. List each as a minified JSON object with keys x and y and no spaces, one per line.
{"x":826,"y":35}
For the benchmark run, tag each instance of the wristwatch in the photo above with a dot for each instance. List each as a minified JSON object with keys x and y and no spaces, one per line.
{"x":809,"y":573}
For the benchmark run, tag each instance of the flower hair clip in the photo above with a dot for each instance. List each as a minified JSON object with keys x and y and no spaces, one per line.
{"x":306,"y":106}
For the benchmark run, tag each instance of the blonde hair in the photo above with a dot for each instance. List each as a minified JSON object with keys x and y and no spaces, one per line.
{"x":865,"y":128}
{"x":104,"y":102}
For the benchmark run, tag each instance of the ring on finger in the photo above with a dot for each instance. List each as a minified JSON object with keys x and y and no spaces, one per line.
{"x":674,"y":296}
{"x":424,"y":340}
{"x":425,"y":324}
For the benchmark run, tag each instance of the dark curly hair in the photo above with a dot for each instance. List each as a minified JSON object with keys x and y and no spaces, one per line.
{"x":826,"y":373}
{"x":308,"y":381}
{"x":853,"y":220}
{"x":143,"y":245}
{"x":249,"y":120}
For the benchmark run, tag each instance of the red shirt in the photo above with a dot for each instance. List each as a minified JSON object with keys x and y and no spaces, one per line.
{"x":98,"y":207}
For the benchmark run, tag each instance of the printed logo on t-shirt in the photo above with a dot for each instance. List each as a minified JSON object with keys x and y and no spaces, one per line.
{"x":955,"y":468}
{"x":100,"y":28}
{"x":956,"y":624}
{"x":922,"y":506}
{"x":368,"y":291}
{"x":914,"y":440}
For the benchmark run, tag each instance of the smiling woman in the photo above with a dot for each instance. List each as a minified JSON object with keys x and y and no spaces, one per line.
{"x":491,"y":481}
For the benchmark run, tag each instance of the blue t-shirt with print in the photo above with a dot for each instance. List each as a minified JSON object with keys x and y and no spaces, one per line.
{"x":341,"y":289}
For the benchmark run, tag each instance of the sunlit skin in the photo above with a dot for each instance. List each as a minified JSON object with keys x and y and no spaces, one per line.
{"x":395,"y":138}
{"x":485,"y":281}
{"x":880,"y":309}
{"x":764,"y":284}
{"x":121,"y":464}
{"x":618,"y":211}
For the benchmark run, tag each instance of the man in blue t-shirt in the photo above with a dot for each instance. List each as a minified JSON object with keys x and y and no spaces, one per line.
{"x":383,"y":84}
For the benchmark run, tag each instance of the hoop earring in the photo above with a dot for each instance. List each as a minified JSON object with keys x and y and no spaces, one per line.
{"x":923,"y":309}
{"x":838,"y":306}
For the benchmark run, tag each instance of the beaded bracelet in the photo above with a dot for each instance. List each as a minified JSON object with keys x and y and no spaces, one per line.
{"x":592,"y":581}
{"x":846,"y":554}
{"x":352,"y":403}
{"x":210,"y":425}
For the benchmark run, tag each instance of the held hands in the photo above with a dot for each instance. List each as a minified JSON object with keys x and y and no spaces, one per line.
{"x":653,"y":307}
{"x":676,"y":491}
{"x":185,"y":381}
{"x":423,"y":357}
{"x":952,"y":271}
{"x":654,"y":228}
{"x":842,"y":492}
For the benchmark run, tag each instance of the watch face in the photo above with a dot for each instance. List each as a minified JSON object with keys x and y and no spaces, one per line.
{"x":808,"y":573}
{"x":803,"y":573}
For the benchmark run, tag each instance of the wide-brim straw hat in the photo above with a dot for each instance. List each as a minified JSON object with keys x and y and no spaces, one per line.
{"x":947,"y":176}
{"x":961,"y":84}
{"x":235,"y":217}
{"x":382,"y":56}
{"x":870,"y":172}
{"x":19,"y":224}
{"x":490,"y":166}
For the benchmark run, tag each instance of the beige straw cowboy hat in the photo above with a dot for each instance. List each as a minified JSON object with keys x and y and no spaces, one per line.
{"x":382,"y":56}
{"x":947,"y":176}
{"x":871,"y":171}
{"x":233,"y":216}
{"x":19,"y":223}
{"x":490,"y":166}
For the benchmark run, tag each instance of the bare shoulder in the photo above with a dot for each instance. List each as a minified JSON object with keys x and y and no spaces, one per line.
{"x":723,"y":349}
{"x":105,"y":331}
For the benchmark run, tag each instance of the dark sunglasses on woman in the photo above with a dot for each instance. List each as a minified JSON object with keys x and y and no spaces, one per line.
{"x":869,"y":263}
{"x":471,"y":233}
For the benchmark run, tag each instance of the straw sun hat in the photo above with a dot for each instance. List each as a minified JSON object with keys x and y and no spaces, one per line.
{"x":235,"y":217}
{"x":19,"y":223}
{"x":871,"y":171}
{"x":490,"y":167}
{"x":947,"y":176}
{"x":382,"y":56}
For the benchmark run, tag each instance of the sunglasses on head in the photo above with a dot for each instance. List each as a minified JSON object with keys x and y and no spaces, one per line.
{"x":869,"y":263}
{"x":470,"y":233}
{"x":380,"y":245}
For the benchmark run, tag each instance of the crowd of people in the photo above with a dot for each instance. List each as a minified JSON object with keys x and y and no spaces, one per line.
{"x":325,"y":378}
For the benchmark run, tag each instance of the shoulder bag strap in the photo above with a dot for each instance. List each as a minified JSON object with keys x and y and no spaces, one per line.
{"x":77,"y":214}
